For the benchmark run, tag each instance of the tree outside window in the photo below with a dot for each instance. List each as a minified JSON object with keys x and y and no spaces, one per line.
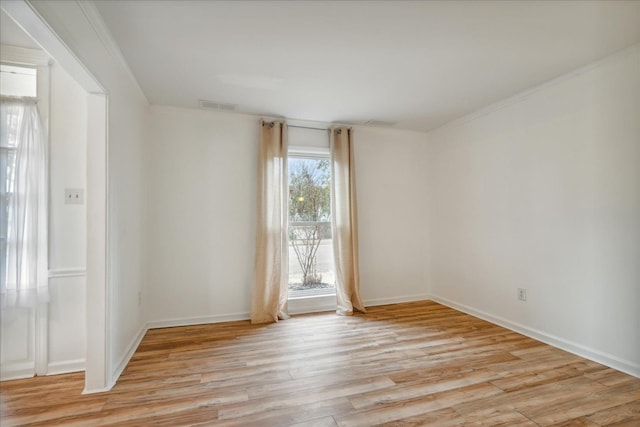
{"x":309,"y":213}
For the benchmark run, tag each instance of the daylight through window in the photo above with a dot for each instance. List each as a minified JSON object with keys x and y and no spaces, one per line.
{"x":311,"y":270}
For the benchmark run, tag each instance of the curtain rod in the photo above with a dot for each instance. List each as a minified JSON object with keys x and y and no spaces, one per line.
{"x":307,"y":127}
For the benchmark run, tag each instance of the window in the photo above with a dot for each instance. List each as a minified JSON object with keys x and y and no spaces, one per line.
{"x":311,"y":264}
{"x":18,"y":81}
{"x":22,"y":186}
{"x":14,"y":81}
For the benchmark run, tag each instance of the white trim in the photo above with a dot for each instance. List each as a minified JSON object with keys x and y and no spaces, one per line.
{"x":97,"y":368}
{"x":304,"y":123}
{"x":66,"y":367}
{"x":97,"y":390}
{"x":309,"y":152}
{"x":32,"y":23}
{"x":395,"y":300}
{"x":17,"y":371}
{"x":60,"y":273}
{"x":124,"y":360}
{"x":94,"y":18}
{"x":606,"y":359}
{"x":312,"y":304}
{"x":522,"y":96}
{"x":109,"y":288}
{"x":200,"y":320}
{"x":21,"y":370}
{"x":23,"y":56}
{"x":41,"y":349}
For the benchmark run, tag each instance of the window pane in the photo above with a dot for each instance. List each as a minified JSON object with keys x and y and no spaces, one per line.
{"x":311,"y":269}
{"x":18,"y":81}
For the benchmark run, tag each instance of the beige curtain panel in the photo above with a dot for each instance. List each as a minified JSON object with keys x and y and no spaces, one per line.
{"x":269,"y":302}
{"x":345,"y":222}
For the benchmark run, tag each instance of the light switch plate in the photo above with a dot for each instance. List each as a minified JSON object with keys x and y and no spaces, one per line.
{"x":74,"y":196}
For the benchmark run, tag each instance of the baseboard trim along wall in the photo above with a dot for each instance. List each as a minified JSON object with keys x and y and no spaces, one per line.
{"x":124,"y":360}
{"x":17,"y":370}
{"x":199,"y":320}
{"x":65,"y":367}
{"x":395,"y":300}
{"x":609,"y":360}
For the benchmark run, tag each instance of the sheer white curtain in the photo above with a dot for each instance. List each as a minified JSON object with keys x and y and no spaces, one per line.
{"x":345,"y":222}
{"x":269,"y":302}
{"x":23,"y":216}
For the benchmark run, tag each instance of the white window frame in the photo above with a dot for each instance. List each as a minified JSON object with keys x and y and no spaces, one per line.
{"x":31,"y":58}
{"x":311,"y":303}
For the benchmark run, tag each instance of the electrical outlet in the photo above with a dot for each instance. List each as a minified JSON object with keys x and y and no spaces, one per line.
{"x":74,"y":196}
{"x":522,"y":294}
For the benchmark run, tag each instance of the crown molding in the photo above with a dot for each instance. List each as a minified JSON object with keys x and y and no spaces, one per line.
{"x":91,"y":12}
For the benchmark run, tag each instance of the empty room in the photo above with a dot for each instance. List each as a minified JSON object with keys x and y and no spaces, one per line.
{"x":319,"y":213}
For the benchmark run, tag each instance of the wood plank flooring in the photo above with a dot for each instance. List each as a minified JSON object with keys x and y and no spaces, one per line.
{"x":407,"y":364}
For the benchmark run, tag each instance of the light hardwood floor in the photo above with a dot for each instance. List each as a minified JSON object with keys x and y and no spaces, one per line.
{"x":400,"y":365}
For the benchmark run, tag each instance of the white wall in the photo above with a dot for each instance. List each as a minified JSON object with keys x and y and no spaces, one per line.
{"x":127,"y":216}
{"x":67,"y":169}
{"x":201,"y":224}
{"x":67,"y":223}
{"x":390,"y":181}
{"x":202,"y":175}
{"x":543,"y":193}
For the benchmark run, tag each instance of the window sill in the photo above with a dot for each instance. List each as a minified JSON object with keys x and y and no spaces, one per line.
{"x":307,"y":293}
{"x":312,"y":303}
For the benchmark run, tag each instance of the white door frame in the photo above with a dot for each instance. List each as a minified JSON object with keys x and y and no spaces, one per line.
{"x":97,"y":374}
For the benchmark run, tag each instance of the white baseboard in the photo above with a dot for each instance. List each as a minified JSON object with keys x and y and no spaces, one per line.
{"x":97,"y":390}
{"x":395,"y":300}
{"x":124,"y":360}
{"x":65,"y":367}
{"x":200,"y":320}
{"x":17,"y":371}
{"x":603,"y":358}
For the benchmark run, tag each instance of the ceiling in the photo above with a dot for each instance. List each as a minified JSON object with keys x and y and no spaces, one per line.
{"x":416,"y":64}
{"x":11,"y":34}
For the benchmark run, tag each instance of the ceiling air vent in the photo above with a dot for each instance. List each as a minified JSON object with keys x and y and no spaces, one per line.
{"x":380,"y":123}
{"x":210,"y":105}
